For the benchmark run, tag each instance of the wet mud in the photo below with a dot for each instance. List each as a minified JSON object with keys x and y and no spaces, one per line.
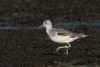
{"x":30,"y":48}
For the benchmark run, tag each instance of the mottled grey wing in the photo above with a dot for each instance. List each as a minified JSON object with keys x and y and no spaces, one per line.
{"x":63,"y":32}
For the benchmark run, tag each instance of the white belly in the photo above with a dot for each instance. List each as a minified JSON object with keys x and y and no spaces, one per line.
{"x":62,"y":39}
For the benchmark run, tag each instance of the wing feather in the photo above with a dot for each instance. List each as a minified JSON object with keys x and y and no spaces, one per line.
{"x":63,"y":32}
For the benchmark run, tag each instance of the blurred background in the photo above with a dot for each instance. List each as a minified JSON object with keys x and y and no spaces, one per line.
{"x":22,"y":44}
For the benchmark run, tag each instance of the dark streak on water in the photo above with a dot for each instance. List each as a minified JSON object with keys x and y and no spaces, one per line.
{"x":60,"y":24}
{"x":8,"y":28}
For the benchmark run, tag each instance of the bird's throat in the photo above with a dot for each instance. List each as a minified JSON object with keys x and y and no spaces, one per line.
{"x":48,"y":28}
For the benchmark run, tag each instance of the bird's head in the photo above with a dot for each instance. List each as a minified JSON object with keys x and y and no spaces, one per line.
{"x":46,"y":24}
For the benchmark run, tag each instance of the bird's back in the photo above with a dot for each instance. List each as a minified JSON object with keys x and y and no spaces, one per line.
{"x":62,"y":32}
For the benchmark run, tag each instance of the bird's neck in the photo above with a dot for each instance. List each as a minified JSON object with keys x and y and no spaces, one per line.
{"x":48,"y":28}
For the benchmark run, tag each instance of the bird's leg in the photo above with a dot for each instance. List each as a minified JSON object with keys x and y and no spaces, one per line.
{"x":60,"y":48}
{"x":69,"y":45}
{"x":67,"y":48}
{"x":64,"y":47}
{"x":66,"y":51}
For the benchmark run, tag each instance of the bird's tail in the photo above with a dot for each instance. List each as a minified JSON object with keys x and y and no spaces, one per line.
{"x":84,"y":35}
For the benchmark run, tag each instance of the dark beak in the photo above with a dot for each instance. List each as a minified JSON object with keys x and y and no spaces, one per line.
{"x":40,"y":26}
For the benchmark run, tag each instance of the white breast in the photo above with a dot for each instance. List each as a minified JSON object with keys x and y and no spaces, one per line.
{"x":62,"y":39}
{"x":59,"y":38}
